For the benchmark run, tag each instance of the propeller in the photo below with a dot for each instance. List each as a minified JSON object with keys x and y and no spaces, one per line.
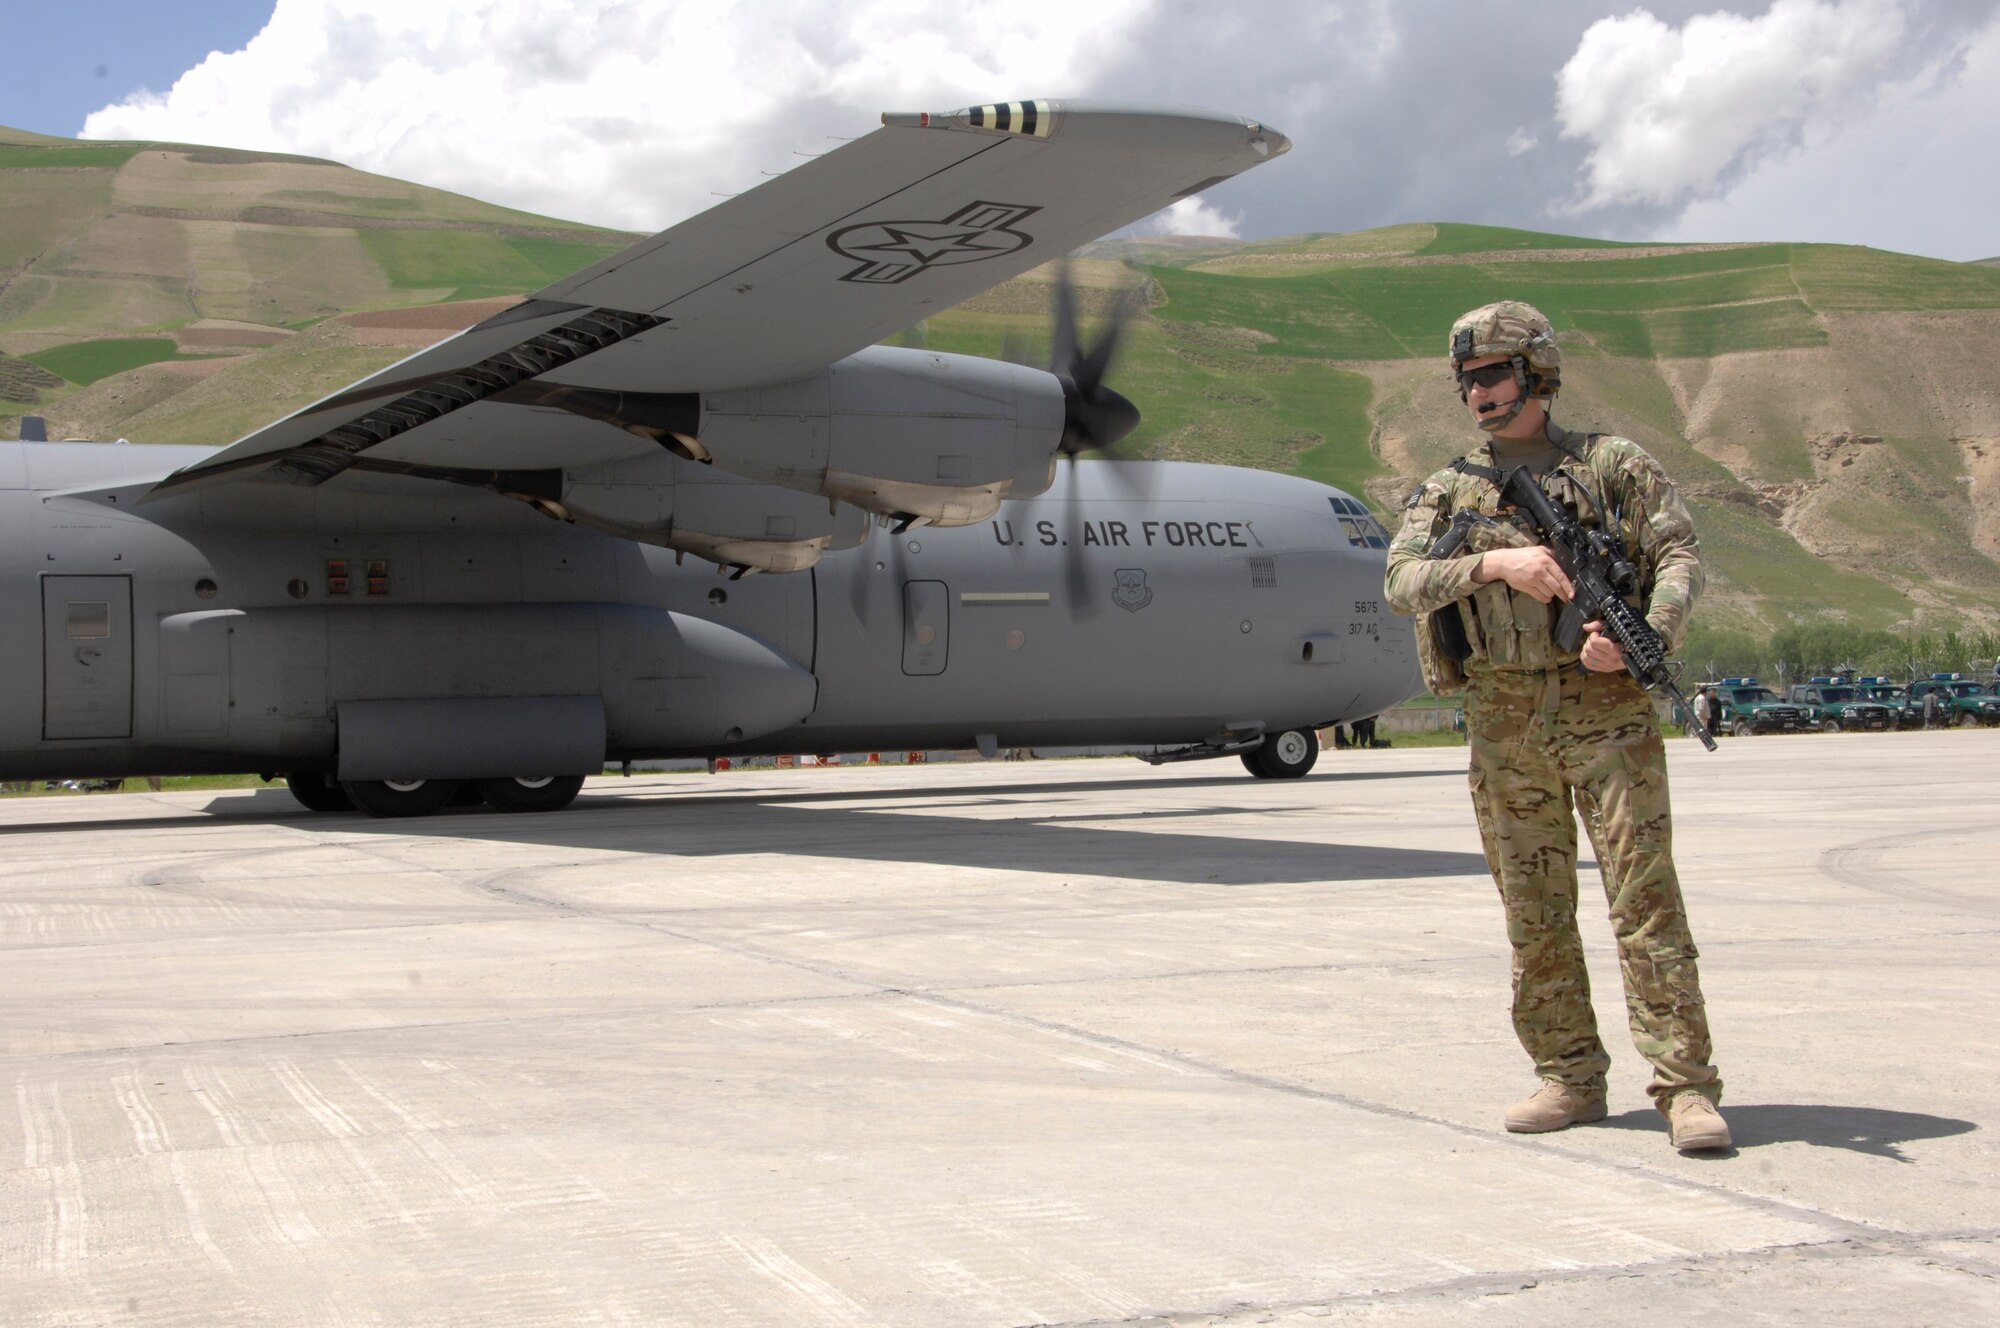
{"x":1095,"y":418}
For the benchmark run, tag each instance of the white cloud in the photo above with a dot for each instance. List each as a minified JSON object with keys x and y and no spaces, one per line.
{"x":1192,"y":216}
{"x":623,"y":112}
{"x":1672,"y":113}
{"x":1521,"y":141}
{"x":1905,"y":178}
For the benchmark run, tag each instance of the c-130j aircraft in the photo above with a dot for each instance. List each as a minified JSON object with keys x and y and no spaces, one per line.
{"x":347,"y":598}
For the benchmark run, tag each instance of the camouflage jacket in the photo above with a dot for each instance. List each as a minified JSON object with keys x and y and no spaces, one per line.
{"x":1511,"y":631}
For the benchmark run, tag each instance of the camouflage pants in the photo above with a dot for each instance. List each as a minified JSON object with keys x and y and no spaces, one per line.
{"x":1546,"y":746}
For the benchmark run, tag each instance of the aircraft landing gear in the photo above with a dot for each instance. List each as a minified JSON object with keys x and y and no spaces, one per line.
{"x":544,"y":794}
{"x":1286,"y":755}
{"x":401,"y":797}
{"x":317,"y":792}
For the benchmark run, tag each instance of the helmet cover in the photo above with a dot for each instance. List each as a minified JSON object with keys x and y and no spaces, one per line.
{"x":1515,"y":330}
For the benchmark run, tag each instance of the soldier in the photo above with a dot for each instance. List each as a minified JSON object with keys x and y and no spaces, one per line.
{"x":1554,"y":733}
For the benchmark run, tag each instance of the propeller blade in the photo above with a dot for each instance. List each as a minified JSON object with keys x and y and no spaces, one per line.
{"x":1062,"y":338}
{"x":1095,"y":417}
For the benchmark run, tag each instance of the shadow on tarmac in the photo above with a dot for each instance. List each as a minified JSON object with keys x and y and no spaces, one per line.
{"x":1869,"y":1130}
{"x":1070,"y":840}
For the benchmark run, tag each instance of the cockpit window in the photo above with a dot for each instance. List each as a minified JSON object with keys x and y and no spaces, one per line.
{"x":1362,"y":530}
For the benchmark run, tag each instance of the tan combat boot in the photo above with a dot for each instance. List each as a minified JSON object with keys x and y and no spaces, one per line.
{"x":1693,"y":1123}
{"x":1554,"y":1106}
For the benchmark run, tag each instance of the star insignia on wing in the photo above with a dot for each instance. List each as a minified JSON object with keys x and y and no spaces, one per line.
{"x":927,"y":248}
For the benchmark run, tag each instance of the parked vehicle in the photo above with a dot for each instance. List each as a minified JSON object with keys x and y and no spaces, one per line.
{"x":1964,"y":701}
{"x":1748,"y":707}
{"x":1833,"y":704}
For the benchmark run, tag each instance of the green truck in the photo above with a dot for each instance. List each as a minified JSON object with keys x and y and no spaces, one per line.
{"x":1745,"y":707}
{"x":1834,"y":704}
{"x":1893,"y":694}
{"x":1961,"y":700}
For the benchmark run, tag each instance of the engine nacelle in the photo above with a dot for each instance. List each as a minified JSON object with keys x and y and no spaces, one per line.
{"x":665,"y":500}
{"x":902,"y":433}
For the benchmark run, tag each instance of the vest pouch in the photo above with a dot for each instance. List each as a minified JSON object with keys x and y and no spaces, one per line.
{"x":1442,"y":649}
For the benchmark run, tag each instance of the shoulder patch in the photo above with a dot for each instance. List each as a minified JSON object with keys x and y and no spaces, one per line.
{"x":1429,"y":492}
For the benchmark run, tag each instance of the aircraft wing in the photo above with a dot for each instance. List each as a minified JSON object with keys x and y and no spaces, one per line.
{"x":764,"y":288}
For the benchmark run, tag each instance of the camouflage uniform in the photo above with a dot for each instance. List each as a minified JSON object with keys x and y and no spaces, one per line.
{"x":1549,"y":739}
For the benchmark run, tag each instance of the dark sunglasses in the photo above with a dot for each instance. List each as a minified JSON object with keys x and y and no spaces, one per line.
{"x":1486,"y":375}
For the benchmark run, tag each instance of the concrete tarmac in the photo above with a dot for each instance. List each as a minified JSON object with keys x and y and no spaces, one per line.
{"x":1077,"y":1042}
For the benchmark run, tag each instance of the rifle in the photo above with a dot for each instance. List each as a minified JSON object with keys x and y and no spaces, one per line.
{"x":1602,"y":576}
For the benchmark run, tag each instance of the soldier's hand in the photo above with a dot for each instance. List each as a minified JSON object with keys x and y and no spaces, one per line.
{"x":1600,"y":653}
{"x":1532,"y":571}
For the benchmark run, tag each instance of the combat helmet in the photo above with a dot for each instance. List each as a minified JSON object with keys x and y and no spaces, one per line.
{"x":1524,"y":336}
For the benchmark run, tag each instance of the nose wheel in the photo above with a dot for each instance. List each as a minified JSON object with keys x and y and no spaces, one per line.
{"x":1286,"y":755}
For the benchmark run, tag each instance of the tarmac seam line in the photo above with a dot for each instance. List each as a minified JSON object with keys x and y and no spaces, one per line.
{"x":1914,"y":1246}
{"x":1848,"y":1228}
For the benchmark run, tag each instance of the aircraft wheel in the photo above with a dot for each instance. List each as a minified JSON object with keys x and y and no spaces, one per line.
{"x":317,"y":792}
{"x":545,"y":793}
{"x":1286,"y":755}
{"x":1829,"y":726}
{"x":401,"y":797}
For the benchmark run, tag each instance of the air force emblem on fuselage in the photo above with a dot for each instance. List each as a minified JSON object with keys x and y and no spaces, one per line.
{"x":893,"y":251}
{"x":1131,"y":592}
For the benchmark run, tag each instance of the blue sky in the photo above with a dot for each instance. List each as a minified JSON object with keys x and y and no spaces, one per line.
{"x":91,"y":53}
{"x":1849,"y":121}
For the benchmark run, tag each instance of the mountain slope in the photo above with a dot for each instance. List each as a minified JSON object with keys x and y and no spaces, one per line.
{"x":1831,"y":411}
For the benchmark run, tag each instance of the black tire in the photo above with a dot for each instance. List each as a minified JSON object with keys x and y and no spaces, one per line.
{"x":317,"y":792}
{"x":412,"y":797}
{"x":544,"y":794}
{"x":1742,"y":728}
{"x":1286,"y":755}
{"x":1829,"y":726}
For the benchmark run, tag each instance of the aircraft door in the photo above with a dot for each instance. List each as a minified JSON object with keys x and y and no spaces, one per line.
{"x":86,"y":657}
{"x":926,"y":627}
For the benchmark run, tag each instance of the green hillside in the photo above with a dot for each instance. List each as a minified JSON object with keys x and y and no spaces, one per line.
{"x":121,"y":240}
{"x":1831,"y":411}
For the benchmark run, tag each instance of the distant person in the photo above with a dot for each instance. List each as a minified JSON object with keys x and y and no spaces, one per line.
{"x":1704,"y":708}
{"x":1930,"y":707}
{"x":1552,"y":732}
{"x":1364,"y":733}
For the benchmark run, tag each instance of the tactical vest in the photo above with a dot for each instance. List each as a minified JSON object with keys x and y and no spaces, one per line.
{"x":1497,"y":626}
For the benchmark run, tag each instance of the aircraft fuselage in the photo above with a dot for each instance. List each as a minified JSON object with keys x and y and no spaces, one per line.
{"x":1132,"y":603}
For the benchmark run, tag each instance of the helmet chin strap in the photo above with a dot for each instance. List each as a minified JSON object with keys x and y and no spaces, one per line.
{"x":1490,"y":418}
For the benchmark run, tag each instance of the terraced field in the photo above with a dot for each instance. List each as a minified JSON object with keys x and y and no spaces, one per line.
{"x":1832,"y":411}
